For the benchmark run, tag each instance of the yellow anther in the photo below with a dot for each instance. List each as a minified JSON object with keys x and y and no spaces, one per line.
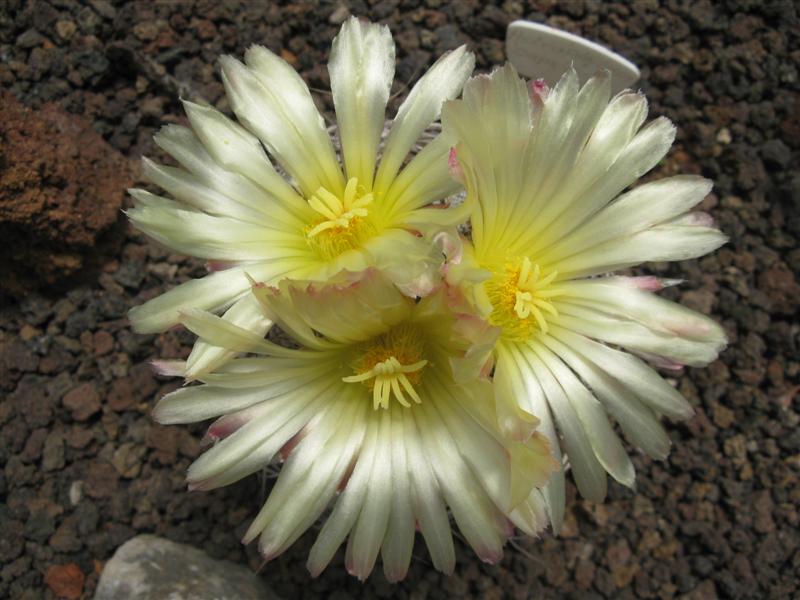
{"x":392,"y":365}
{"x":389,"y":376}
{"x":339,"y":213}
{"x":520,"y":296}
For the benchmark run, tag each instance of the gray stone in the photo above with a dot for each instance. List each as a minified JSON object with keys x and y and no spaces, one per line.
{"x":148,"y":567}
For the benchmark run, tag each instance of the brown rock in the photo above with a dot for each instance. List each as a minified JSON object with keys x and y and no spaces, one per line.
{"x":205,"y":29}
{"x":120,"y":396}
{"x":66,"y":581}
{"x":82,"y":402}
{"x":164,"y":442}
{"x":781,"y":287}
{"x":78,"y":437}
{"x":618,"y":554}
{"x":65,"y":538}
{"x":61,"y":188}
{"x":127,"y":460}
{"x":584,"y":574}
{"x":102,"y":480}
{"x":103,"y":342}
{"x":143,"y":382}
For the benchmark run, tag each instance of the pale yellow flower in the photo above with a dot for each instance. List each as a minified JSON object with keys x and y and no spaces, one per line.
{"x":545,"y":171}
{"x":233,"y":208}
{"x":367,"y":416}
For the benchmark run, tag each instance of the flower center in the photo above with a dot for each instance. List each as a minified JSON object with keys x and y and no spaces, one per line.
{"x":343,"y":224}
{"x":520,"y":298}
{"x":392,"y":365}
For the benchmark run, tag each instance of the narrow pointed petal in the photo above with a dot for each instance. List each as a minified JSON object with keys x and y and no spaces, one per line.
{"x":245,"y":313}
{"x":442,"y":82}
{"x":361,"y":67}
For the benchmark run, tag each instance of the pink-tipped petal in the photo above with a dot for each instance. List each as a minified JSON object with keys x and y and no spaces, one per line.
{"x":224,"y":426}
{"x":701,"y":219}
{"x":456,"y":172}
{"x":538,"y":91}
{"x":169,"y":368}
{"x":219,"y":265}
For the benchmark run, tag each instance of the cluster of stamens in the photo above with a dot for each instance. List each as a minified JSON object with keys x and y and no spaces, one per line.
{"x":392,"y":364}
{"x":343,"y":223}
{"x":520,"y":298}
{"x":390,"y":378}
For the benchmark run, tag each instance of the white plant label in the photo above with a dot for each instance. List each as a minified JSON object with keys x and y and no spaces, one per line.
{"x":541,"y":52}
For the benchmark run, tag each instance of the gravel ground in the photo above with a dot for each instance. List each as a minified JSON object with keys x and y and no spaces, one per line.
{"x":84,"y":468}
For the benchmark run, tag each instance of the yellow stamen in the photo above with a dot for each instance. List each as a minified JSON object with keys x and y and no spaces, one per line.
{"x":520,"y":299}
{"x":389,"y":375}
{"x":392,"y":364}
{"x":343,"y":224}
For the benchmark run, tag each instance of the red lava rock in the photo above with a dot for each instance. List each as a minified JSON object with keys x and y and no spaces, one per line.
{"x":780,"y":285}
{"x":66,"y":581}
{"x":120,"y":396}
{"x":205,"y":29}
{"x":103,"y":342}
{"x":83,"y":401}
{"x":78,"y":437}
{"x":584,"y":574}
{"x":16,"y":356}
{"x":102,"y":480}
{"x":61,"y":188}
{"x":143,"y":381}
{"x":164,"y":441}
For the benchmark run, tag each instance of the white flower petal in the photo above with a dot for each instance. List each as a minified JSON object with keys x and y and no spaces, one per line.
{"x":660,"y":243}
{"x":278,"y":306}
{"x":272,"y":371}
{"x":531,"y":515}
{"x":478,"y":519}
{"x":310,"y":476}
{"x":212,"y":292}
{"x":348,"y":506}
{"x":212,"y":237}
{"x":592,"y":417}
{"x":274,"y":103}
{"x":566,"y":130}
{"x":350,"y":308}
{"x":487,"y":457}
{"x":589,"y":474}
{"x":427,"y":501}
{"x":634,"y":335}
{"x":634,"y":374}
{"x":190,"y":190}
{"x":638,"y":422}
{"x":370,"y":529}
{"x":443,"y":81}
{"x":237,"y":150}
{"x":399,"y":541}
{"x":198,"y":403}
{"x":514,"y":393}
{"x":424,"y":180}
{"x":552,"y":150}
{"x":277,"y":421}
{"x":245,"y":313}
{"x":554,"y":491}
{"x":638,"y":210}
{"x":640,"y":155}
{"x":700,"y":338}
{"x":185,"y":147}
{"x":361,"y":68}
{"x":594,"y":184}
{"x":219,"y":332}
{"x":493,"y":127}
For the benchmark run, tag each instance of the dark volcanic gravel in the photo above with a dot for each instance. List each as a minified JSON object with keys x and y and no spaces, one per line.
{"x":84,"y":468}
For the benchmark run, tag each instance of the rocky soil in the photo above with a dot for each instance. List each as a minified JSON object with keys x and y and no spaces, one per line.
{"x":83,"y":468}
